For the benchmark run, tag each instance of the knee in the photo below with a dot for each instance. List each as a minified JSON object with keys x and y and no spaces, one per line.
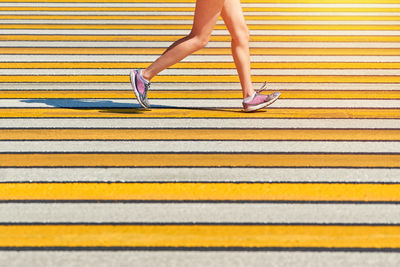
{"x":241,"y":35}
{"x":199,"y":42}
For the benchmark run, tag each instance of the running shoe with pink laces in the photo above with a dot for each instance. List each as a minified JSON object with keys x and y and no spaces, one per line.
{"x":260,"y":101}
{"x":140,"y":86}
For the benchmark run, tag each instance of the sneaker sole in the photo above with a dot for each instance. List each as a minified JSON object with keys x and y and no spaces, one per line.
{"x":263,"y":105}
{"x":137,"y":94}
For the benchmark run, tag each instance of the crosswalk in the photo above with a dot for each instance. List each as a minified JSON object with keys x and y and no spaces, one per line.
{"x":90,"y":178}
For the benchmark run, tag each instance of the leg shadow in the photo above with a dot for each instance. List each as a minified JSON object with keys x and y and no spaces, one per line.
{"x":107,"y":106}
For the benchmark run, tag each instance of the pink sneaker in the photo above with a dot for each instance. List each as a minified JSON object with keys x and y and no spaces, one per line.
{"x":140,"y":87}
{"x":260,"y":101}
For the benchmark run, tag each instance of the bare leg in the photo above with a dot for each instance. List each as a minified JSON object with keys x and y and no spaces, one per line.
{"x":206,"y":15}
{"x":236,"y":24}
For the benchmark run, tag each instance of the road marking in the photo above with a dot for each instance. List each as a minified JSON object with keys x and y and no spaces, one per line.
{"x":244,"y":1}
{"x":199,"y":94}
{"x":200,"y":134}
{"x":196,"y":123}
{"x":209,"y":59}
{"x":207,"y":78}
{"x":132,"y":26}
{"x":304,"y":113}
{"x":198,"y":146}
{"x":195,"y":103}
{"x":164,"y":44}
{"x":152,"y":32}
{"x":206,"y":51}
{"x":201,"y":192}
{"x":206,"y":72}
{"x":183,"y":213}
{"x":214,"y":38}
{"x":200,"y":160}
{"x":192,"y":174}
{"x":190,"y":8}
{"x":325,"y":257}
{"x":211,"y":236}
{"x":294,"y":17}
{"x":368,"y":64}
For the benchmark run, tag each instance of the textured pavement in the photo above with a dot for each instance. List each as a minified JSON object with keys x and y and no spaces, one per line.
{"x":88,"y":178}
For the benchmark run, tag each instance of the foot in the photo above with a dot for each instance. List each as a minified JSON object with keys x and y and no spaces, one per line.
{"x":260,"y":101}
{"x":140,"y":86}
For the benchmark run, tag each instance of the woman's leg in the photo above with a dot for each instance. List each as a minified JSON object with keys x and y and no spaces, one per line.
{"x":234,"y":19}
{"x":206,"y":15}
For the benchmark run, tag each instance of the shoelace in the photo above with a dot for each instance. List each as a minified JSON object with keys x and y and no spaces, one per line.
{"x":263,"y":87}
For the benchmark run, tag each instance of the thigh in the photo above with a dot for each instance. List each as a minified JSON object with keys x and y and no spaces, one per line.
{"x":206,"y":15}
{"x":233,"y":17}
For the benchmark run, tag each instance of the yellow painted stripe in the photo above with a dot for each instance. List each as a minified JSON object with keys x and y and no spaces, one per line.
{"x":201,"y":113}
{"x":199,"y":134}
{"x":206,"y":51}
{"x":219,"y":38}
{"x":208,"y":236}
{"x":203,"y":78}
{"x":211,"y":94}
{"x":190,"y":17}
{"x":190,"y":9}
{"x":202,"y":65}
{"x":201,"y":191}
{"x":199,"y":160}
{"x":188,"y":27}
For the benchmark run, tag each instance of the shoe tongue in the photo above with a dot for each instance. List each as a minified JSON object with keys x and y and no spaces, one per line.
{"x":250,"y":98}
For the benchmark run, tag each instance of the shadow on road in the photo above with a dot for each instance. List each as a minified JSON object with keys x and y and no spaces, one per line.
{"x":108,"y":106}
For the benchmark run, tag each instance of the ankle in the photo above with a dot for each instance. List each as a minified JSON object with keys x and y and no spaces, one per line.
{"x":249,"y":98}
{"x":146,"y":75}
{"x":249,"y":93}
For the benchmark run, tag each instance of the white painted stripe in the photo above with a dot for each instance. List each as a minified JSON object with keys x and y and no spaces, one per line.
{"x":211,"y":44}
{"x":132,"y":123}
{"x":340,"y":72}
{"x":123,"y":86}
{"x":199,"y":146}
{"x":323,"y":175}
{"x":184,"y":32}
{"x":189,"y":22}
{"x":199,"y":213}
{"x":99,"y":21}
{"x":193,"y":103}
{"x":272,"y":86}
{"x":181,"y":72}
{"x":203,"y":258}
{"x":196,"y":86}
{"x":192,"y":58}
{"x":177,"y":4}
{"x":105,"y":13}
{"x":138,"y":4}
{"x":189,"y":13}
